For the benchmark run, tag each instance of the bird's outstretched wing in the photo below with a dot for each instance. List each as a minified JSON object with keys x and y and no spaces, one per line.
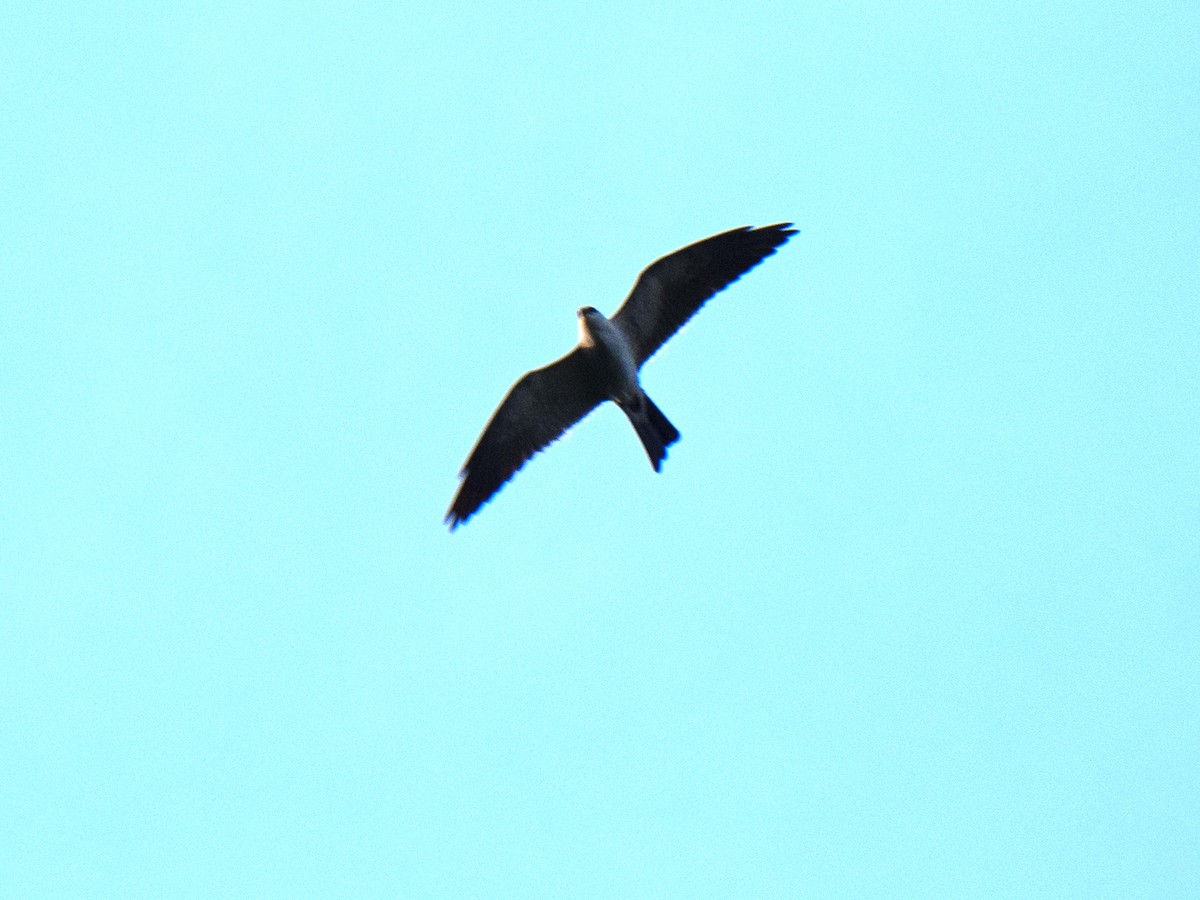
{"x":536,"y":411}
{"x":670,"y":290}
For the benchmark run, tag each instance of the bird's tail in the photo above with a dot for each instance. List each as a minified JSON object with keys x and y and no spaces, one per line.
{"x":655,"y":431}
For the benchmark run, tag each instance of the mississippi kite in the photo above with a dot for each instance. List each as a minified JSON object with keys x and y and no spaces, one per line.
{"x":604,"y":366}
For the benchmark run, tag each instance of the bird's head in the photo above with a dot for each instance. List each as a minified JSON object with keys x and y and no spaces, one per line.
{"x":587,"y":315}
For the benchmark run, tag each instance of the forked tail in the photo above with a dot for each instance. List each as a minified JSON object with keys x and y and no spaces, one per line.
{"x":654,"y":429}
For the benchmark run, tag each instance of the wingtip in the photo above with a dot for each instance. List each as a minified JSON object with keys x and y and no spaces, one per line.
{"x":785,"y":229}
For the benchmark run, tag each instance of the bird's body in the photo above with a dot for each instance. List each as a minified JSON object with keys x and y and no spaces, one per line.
{"x":605,"y":364}
{"x":615,"y":362}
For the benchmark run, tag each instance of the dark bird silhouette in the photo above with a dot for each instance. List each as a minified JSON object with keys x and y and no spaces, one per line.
{"x":604,"y":366}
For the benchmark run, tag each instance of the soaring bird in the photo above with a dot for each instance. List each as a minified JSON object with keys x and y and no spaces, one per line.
{"x":544,"y":403}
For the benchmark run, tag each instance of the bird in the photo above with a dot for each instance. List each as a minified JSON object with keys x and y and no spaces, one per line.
{"x":604,"y":365}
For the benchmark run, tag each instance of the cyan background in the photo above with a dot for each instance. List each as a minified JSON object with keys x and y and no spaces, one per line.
{"x":911,"y":610}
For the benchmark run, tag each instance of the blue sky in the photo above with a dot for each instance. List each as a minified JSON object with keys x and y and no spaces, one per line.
{"x":911,"y":609}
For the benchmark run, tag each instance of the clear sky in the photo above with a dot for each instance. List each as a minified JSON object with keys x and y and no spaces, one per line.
{"x":910,"y":611}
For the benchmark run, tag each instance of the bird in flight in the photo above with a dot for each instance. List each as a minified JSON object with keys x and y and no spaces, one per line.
{"x":604,"y":365}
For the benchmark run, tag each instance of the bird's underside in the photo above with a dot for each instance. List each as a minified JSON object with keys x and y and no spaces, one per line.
{"x":544,"y":403}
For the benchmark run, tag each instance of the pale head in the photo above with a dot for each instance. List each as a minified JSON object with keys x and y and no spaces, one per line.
{"x":588,"y":315}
